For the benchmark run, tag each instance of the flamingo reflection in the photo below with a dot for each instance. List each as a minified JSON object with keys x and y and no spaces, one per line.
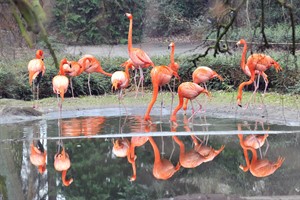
{"x":38,"y":156}
{"x":62,"y":163}
{"x":82,"y":126}
{"x":202,"y":148}
{"x":258,"y":167}
{"x":162,"y":169}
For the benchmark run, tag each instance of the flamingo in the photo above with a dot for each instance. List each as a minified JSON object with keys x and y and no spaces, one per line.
{"x":138,"y":57}
{"x":36,"y":69}
{"x":62,"y":163}
{"x":207,"y":152}
{"x":255,"y":140}
{"x":60,"y":82}
{"x":202,"y":74}
{"x":162,"y":169}
{"x":120,"y":80}
{"x":91,"y":65}
{"x":189,"y":91}
{"x":136,"y":141}
{"x":72,"y":70}
{"x":161,"y":75}
{"x":38,"y":156}
{"x":121,"y":147}
{"x":256,"y":64}
{"x":258,"y":167}
{"x":189,"y":159}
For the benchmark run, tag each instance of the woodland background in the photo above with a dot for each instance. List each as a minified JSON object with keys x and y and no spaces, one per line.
{"x":269,"y":26}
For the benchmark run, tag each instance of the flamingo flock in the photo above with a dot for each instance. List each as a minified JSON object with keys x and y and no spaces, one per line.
{"x":254,"y":66}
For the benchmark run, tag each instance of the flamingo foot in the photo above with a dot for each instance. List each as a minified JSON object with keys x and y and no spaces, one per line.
{"x":239,"y":102}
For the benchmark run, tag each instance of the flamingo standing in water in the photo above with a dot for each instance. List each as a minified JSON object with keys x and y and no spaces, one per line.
{"x":202,"y":74}
{"x":36,"y":69}
{"x":38,"y":156}
{"x":72,"y":70}
{"x":161,"y":75}
{"x":162,"y":169}
{"x":60,"y":82}
{"x":256,"y":64}
{"x":189,"y":91}
{"x":258,"y":167}
{"x":91,"y":65}
{"x":62,"y":163}
{"x":138,"y":57}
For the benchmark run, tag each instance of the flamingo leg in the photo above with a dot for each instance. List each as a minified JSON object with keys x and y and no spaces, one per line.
{"x":135,"y":82}
{"x":172,"y":96}
{"x":71,"y":87}
{"x":89,"y":77}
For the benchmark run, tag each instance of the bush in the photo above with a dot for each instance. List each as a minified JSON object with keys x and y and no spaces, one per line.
{"x":96,"y":21}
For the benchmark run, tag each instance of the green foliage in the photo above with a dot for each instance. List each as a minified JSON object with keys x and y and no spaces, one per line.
{"x":97,"y":21}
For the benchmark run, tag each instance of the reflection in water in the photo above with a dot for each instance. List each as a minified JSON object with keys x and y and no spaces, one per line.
{"x":162,"y":168}
{"x":258,"y":167}
{"x":62,"y":163}
{"x":82,"y":126}
{"x":38,"y":156}
{"x":107,"y":174}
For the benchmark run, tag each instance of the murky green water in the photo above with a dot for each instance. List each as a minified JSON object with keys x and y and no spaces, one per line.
{"x":99,"y":174}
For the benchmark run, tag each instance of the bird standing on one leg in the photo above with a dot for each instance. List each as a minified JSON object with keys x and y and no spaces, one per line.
{"x":36,"y":69}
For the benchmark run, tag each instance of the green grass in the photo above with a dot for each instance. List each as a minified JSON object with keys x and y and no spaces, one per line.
{"x":218,"y":98}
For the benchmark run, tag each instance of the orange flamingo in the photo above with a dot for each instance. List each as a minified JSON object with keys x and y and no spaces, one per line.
{"x":62,"y":163}
{"x":38,"y":156}
{"x":207,"y":152}
{"x":60,"y":82}
{"x":161,"y":75}
{"x":136,"y":141}
{"x":258,"y":167}
{"x":259,"y":62}
{"x":202,"y":74}
{"x":189,"y":159}
{"x":120,"y":80}
{"x":189,"y":91}
{"x":121,"y":147}
{"x":72,"y":70}
{"x":91,"y":65}
{"x":36,"y":69}
{"x":162,"y":169}
{"x":138,"y":57}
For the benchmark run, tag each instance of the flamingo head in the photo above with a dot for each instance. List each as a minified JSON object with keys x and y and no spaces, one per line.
{"x":61,"y":67}
{"x":115,"y":85}
{"x":129,"y":15}
{"x":39,"y":54}
{"x":171,"y":45}
{"x":242,"y":41}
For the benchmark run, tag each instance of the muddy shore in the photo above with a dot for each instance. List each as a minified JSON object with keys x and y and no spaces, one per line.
{"x":283,"y":111}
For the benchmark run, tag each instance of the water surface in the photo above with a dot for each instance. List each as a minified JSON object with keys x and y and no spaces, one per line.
{"x":99,"y":174}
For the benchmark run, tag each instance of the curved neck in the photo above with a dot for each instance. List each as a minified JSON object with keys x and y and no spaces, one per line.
{"x":127,"y":70}
{"x":243,"y":60}
{"x":155,"y":149}
{"x":61,"y":69}
{"x":64,"y":180}
{"x":180,"y":143}
{"x":172,"y":55}
{"x":254,"y":153}
{"x":130,"y":35}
